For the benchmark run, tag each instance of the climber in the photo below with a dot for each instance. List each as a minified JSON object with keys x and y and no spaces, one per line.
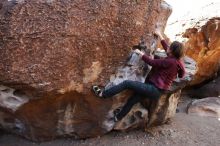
{"x":163,"y":72}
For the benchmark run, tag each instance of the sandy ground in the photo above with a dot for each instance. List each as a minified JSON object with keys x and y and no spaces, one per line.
{"x":182,"y":130}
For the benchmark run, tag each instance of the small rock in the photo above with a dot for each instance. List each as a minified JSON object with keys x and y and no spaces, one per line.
{"x":208,"y":107}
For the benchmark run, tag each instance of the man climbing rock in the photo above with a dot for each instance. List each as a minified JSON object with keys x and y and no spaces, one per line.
{"x":163,"y":72}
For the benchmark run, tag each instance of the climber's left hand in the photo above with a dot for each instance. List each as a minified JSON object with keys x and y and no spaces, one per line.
{"x":139,"y":52}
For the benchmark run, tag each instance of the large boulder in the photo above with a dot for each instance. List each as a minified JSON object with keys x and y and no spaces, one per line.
{"x":52,"y":51}
{"x":203,"y":46}
{"x":57,"y":46}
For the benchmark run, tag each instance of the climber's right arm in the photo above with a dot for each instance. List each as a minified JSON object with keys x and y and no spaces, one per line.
{"x":163,"y":42}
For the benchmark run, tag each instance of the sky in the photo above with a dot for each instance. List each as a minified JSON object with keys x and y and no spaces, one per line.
{"x":185,"y":10}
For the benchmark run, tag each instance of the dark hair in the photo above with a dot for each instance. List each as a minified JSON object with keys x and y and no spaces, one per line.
{"x":177,"y":49}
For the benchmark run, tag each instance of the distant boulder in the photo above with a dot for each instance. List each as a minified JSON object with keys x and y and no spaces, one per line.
{"x":203,"y":46}
{"x":207,"y":107}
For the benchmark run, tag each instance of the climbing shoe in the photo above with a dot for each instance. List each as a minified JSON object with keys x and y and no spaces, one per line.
{"x":97,"y":91}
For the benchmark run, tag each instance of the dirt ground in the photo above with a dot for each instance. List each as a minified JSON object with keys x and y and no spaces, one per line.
{"x":182,"y":130}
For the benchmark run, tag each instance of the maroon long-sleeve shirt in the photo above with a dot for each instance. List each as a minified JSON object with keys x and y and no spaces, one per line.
{"x":164,"y":71}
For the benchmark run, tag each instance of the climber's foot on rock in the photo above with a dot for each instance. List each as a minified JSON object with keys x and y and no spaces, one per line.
{"x":97,"y":90}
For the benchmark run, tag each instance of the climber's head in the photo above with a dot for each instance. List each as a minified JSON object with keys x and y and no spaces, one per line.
{"x":176,"y":49}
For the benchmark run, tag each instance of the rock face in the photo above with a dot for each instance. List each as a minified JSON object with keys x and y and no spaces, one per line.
{"x":208,"y":107}
{"x":204,"y":47}
{"x":52,"y":51}
{"x":59,"y":46}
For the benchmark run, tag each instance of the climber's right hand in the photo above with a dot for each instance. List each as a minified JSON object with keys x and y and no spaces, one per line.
{"x":158,"y":33}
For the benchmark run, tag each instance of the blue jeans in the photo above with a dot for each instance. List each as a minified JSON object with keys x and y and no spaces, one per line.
{"x":141,"y":91}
